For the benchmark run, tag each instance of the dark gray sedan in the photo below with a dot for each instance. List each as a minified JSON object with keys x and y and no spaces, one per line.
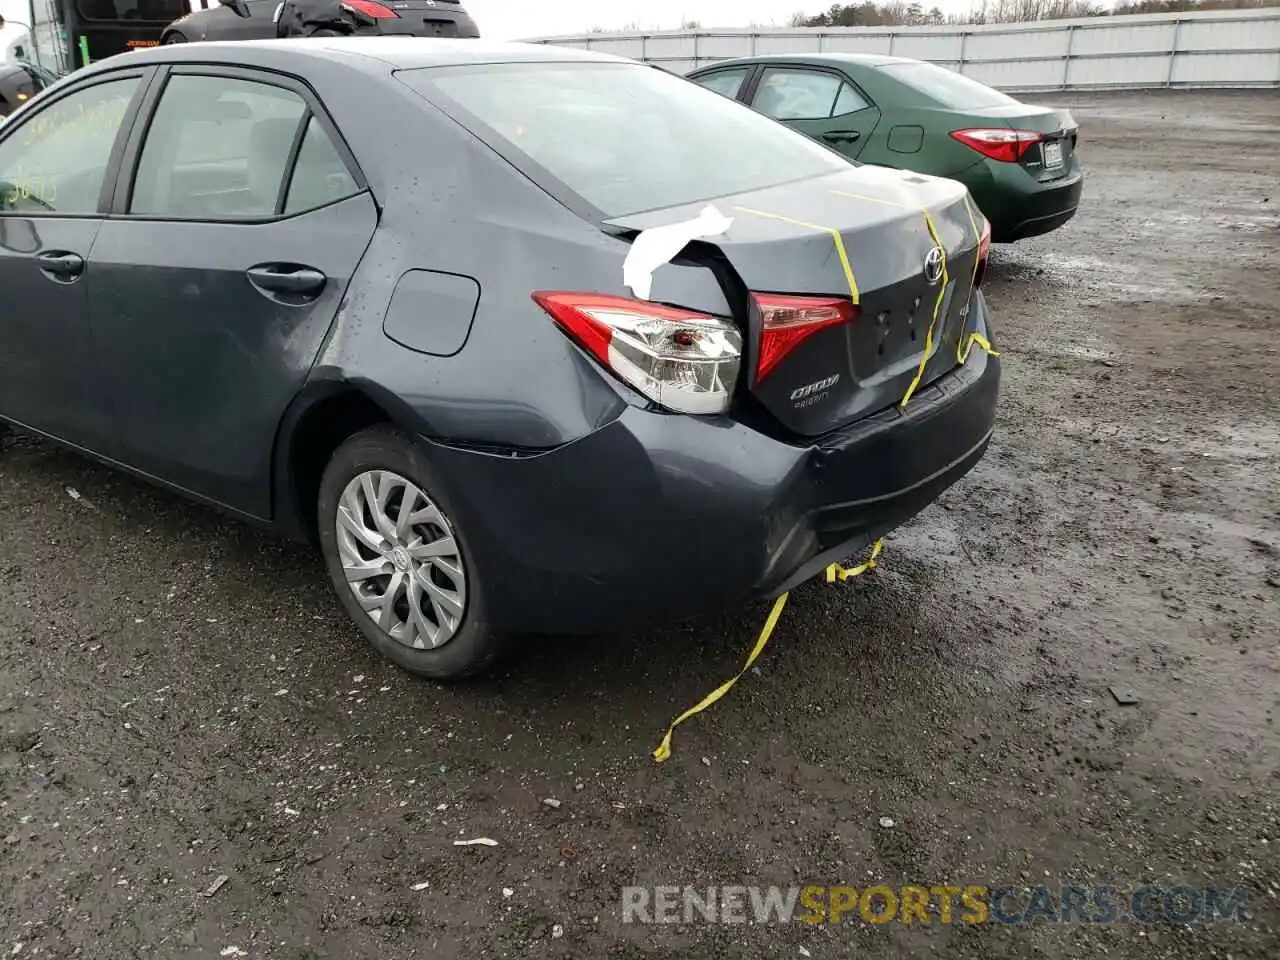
{"x":527,"y":339}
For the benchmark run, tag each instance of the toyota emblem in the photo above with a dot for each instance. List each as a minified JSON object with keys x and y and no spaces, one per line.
{"x":933,"y":264}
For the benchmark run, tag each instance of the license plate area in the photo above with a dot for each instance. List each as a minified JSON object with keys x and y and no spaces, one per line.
{"x":1052,"y":154}
{"x":440,"y":28}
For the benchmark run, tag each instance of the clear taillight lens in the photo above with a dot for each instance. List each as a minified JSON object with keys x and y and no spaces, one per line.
{"x":687,"y":362}
{"x":999,"y":143}
{"x":984,"y":252}
{"x":787,"y":321}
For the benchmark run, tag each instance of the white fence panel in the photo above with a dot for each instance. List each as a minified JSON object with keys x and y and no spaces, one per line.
{"x":1117,"y":41}
{"x":1231,"y":36}
{"x":1212,"y":48}
{"x":929,"y":46}
{"x":1016,"y":46}
{"x":1118,"y":72}
{"x":768,"y":43}
{"x":1220,"y":69}
{"x":853,"y":42}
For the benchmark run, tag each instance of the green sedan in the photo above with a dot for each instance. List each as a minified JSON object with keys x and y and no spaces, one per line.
{"x":1018,"y":161}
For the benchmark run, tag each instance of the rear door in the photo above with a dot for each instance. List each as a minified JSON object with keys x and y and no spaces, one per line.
{"x":239,"y":221}
{"x":822,"y":104}
{"x":54,"y":161}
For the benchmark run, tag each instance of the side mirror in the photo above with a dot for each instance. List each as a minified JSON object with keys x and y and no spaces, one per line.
{"x":239,"y":6}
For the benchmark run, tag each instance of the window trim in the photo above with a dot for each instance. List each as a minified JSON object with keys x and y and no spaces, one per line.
{"x":313,"y":108}
{"x":146,"y":76}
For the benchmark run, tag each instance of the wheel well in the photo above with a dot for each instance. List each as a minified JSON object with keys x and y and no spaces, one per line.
{"x":322,"y":429}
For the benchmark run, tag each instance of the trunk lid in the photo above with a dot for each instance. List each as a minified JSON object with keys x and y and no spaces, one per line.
{"x":1051,"y":158}
{"x":783,"y":241}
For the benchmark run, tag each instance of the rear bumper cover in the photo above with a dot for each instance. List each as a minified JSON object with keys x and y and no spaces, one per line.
{"x":657,"y":517}
{"x":1020,"y":206}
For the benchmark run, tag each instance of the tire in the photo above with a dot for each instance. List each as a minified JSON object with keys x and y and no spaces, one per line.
{"x":175,"y":36}
{"x":388,"y":463}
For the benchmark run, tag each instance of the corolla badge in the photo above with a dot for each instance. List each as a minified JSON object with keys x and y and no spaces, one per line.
{"x":810,"y":394}
{"x":933,"y":265}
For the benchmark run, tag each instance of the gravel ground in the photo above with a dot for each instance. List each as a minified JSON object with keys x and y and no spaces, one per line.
{"x":180,"y":698}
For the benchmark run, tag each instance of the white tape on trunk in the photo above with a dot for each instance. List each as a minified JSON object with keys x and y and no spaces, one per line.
{"x":657,"y":245}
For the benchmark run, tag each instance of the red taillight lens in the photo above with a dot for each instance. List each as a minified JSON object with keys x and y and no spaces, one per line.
{"x":786,"y":322}
{"x":1004,"y":145}
{"x":371,"y":9}
{"x":984,"y":252}
{"x":686,"y":361}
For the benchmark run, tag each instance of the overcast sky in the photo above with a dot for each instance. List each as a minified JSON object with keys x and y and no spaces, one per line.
{"x":515,"y":19}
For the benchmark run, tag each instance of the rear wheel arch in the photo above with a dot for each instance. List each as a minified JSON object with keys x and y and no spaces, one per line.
{"x":315,"y":427}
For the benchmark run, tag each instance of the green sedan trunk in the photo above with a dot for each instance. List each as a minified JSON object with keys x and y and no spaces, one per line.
{"x":1018,"y":160}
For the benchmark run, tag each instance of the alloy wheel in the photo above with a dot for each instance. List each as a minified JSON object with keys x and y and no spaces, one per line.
{"x":401,"y":559}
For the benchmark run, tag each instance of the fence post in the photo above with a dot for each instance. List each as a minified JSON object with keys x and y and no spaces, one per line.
{"x":644,"y":48}
{"x":1066,"y":61}
{"x":891,"y":37}
{"x":1173,"y":52}
{"x":696,"y":63}
{"x":754,"y":38}
{"x":964,"y":38}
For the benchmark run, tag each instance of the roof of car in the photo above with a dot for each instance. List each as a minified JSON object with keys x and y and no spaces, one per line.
{"x":394,"y":52}
{"x":864,"y":59}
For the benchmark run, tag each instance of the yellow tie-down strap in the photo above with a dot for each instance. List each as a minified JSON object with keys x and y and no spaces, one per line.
{"x":834,"y":572}
{"x":965,"y":344}
{"x":841,"y":252}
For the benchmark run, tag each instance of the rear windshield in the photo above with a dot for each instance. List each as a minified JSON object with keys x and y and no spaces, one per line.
{"x":946,"y":87}
{"x":624,"y":137}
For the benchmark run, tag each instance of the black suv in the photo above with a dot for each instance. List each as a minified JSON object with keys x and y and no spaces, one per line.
{"x":19,"y":82}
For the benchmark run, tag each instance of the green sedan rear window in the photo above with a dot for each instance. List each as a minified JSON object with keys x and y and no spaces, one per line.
{"x":625,"y":138}
{"x":946,"y":87}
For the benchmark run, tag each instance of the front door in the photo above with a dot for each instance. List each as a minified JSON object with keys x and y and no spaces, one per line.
{"x":53,"y":163}
{"x":212,"y":291}
{"x":821,"y":104}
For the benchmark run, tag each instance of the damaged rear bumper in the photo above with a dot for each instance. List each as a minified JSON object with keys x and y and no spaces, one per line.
{"x":656,"y":517}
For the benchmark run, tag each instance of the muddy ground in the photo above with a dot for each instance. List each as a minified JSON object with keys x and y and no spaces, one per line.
{"x":181,"y":699}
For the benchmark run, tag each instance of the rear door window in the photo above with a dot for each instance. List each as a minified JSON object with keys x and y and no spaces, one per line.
{"x":623,"y":137}
{"x":849,"y":101}
{"x":787,"y":94}
{"x":217,"y":148}
{"x":946,"y":87}
{"x":320,"y":176}
{"x":727,"y":83}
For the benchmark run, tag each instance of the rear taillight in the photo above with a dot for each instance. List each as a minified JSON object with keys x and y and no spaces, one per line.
{"x":786,"y":322}
{"x":984,"y":251}
{"x":371,"y":9}
{"x":687,"y":362}
{"x":1004,"y":145}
